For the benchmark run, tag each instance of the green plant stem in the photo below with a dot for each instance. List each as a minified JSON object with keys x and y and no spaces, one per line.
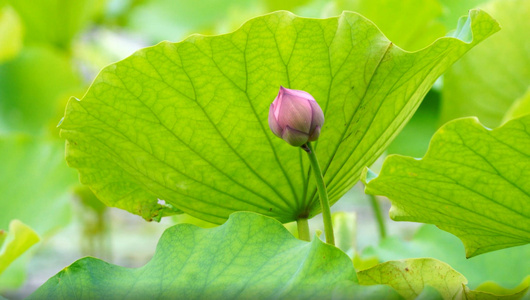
{"x":378,"y":215}
{"x":303,"y":229}
{"x":324,"y":200}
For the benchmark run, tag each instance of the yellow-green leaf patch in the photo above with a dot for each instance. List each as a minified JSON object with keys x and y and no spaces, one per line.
{"x":18,"y":239}
{"x":473,"y":182}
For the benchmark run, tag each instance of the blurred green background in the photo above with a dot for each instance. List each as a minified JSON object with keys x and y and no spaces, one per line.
{"x":51,"y":50}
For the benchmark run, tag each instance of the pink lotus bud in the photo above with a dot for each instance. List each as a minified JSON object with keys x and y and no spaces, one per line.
{"x":295,"y":117}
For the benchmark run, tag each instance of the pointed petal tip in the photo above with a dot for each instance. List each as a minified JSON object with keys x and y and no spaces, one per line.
{"x":281,"y":91}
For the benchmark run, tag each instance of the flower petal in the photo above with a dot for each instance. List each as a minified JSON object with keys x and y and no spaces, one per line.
{"x":297,"y":93}
{"x":294,"y":137}
{"x":273,"y":124}
{"x":317,"y":116}
{"x":295,"y":112}
{"x":314,"y":136}
{"x":277,"y":102}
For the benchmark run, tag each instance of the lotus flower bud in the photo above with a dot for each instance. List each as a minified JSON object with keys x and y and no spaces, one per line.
{"x":295,"y":117}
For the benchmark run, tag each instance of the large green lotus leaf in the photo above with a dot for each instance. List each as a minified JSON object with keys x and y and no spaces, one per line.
{"x":187,"y":122}
{"x":411,"y":277}
{"x":411,"y":24}
{"x":473,"y":182}
{"x":506,"y":267}
{"x":249,"y":257}
{"x":487,"y":80}
{"x":20,"y":238}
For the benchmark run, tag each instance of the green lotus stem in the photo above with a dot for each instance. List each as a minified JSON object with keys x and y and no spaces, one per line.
{"x":324,"y":200}
{"x":378,"y":215}
{"x":303,"y":229}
